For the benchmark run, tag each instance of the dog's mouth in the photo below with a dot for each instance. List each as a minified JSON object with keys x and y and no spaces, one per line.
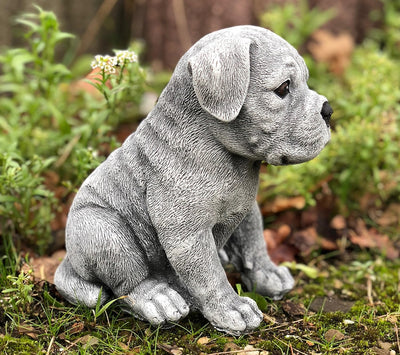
{"x":284,"y":160}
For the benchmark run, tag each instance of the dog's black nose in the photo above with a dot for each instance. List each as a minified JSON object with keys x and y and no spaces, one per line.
{"x":326,"y":112}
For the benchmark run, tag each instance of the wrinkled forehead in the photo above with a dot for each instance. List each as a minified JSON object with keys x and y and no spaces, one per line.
{"x":279,"y":62}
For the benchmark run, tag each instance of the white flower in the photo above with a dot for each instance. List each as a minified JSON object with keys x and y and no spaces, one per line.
{"x":108,"y":64}
{"x":105,"y":63}
{"x":126,"y":55}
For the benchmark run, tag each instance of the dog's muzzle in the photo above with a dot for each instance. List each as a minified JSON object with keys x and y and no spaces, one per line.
{"x":326,"y":112}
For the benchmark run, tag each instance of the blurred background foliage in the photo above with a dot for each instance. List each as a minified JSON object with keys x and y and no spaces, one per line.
{"x":55,"y":127}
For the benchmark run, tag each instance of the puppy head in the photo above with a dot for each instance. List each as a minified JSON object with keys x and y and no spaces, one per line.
{"x":254,"y":84}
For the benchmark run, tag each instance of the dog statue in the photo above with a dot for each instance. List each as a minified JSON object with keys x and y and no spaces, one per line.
{"x":151,"y":222}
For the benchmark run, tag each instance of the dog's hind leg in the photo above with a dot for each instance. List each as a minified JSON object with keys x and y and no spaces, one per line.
{"x":105,"y":249}
{"x":75,"y":289}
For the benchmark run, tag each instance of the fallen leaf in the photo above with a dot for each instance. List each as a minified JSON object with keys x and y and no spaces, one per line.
{"x":87,"y":340}
{"x":44,"y":267}
{"x":280,"y":204}
{"x":310,"y":271}
{"x":28,"y":330}
{"x":391,"y":216}
{"x":338,"y":222}
{"x":305,"y":240}
{"x":250,"y":350}
{"x":268,"y":319}
{"x":371,"y":238}
{"x":75,"y":328}
{"x":333,"y":335}
{"x":283,"y":232}
{"x":384,"y":345}
{"x":283,"y":253}
{"x":171,"y":349}
{"x":327,"y":244}
{"x":230,"y":346}
{"x":338,"y":284}
{"x":348,"y":322}
{"x":309,"y":217}
{"x":293,"y":309}
{"x":203,"y":340}
{"x":270,"y":237}
{"x":127,"y":350}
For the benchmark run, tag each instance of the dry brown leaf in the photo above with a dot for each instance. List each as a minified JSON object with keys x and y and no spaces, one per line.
{"x":338,"y":222}
{"x":283,"y":253}
{"x":44,"y":267}
{"x":230,"y":346}
{"x":371,"y":238}
{"x":334,"y":335}
{"x":87,"y":340}
{"x":305,"y":240}
{"x":203,"y":340}
{"x":75,"y":329}
{"x":335,"y":50}
{"x":171,"y":349}
{"x":28,"y":330}
{"x":293,"y":309}
{"x":268,"y":319}
{"x":283,"y":232}
{"x":327,"y":244}
{"x":250,"y":350}
{"x":391,"y":216}
{"x":280,"y":204}
{"x":270,"y":237}
{"x":309,"y":217}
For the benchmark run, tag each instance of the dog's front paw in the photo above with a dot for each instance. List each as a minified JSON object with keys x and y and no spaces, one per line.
{"x":272,"y":281}
{"x":233,"y":314}
{"x":156,"y":302}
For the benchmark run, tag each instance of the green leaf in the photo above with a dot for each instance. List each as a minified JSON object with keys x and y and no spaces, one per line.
{"x":63,"y":35}
{"x":310,"y":272}
{"x":260,"y":300}
{"x":34,"y":26}
{"x":41,"y":192}
{"x":7,"y":198}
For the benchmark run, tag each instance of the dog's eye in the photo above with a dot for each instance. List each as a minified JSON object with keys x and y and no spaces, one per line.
{"x":283,"y":89}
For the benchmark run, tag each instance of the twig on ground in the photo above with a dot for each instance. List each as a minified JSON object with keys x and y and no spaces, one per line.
{"x":236,"y":351}
{"x":396,"y":330}
{"x":50,"y":345}
{"x":289,"y":345}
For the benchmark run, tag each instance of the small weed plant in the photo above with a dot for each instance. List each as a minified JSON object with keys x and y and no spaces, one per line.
{"x":48,"y":124}
{"x":19,"y":295}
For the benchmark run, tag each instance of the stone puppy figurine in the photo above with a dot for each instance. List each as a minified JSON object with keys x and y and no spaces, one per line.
{"x":151,"y":222}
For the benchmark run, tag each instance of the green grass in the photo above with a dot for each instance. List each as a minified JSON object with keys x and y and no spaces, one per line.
{"x":47,"y":323}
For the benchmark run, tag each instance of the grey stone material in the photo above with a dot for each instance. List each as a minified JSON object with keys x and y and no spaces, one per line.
{"x":152,"y":221}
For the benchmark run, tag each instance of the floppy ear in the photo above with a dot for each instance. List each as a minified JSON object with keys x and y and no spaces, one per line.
{"x":221,"y":76}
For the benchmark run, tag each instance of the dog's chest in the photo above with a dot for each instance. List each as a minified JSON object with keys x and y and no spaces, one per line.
{"x":235,"y":201}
